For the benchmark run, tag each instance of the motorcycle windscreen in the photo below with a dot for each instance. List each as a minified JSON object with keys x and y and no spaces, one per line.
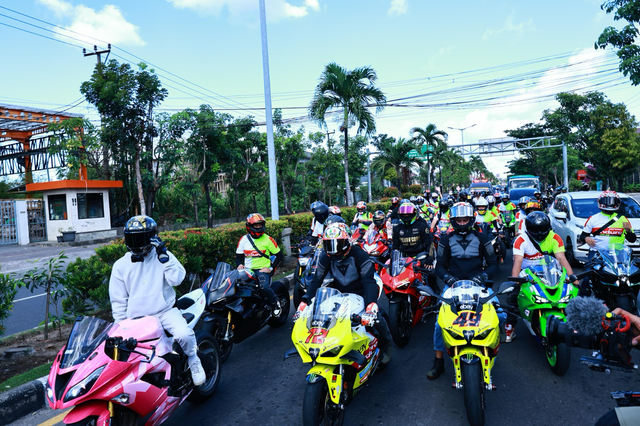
{"x":549,"y":271}
{"x":370,"y":236}
{"x":87,"y":334}
{"x":397,"y":263}
{"x":466,"y":292}
{"x":326,"y":307}
{"x":222,"y":270}
{"x":313,"y":264}
{"x":616,"y":257}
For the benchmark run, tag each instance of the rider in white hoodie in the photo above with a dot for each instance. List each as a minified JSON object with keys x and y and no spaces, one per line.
{"x":142,"y":284}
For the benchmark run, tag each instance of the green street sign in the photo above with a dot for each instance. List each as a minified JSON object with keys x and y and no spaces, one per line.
{"x":426,"y":148}
{"x":413,"y":154}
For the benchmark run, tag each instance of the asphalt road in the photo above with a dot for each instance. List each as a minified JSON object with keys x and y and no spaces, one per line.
{"x":29,"y":308}
{"x":258,"y":388}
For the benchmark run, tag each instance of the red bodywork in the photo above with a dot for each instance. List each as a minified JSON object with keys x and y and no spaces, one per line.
{"x":405,"y":283}
{"x":374,"y":243}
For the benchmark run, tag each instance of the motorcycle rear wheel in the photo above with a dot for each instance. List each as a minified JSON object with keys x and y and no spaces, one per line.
{"x":473,"y":388}
{"x":207,"y":345}
{"x":317,"y":407}
{"x":400,"y":322}
{"x":558,"y":357}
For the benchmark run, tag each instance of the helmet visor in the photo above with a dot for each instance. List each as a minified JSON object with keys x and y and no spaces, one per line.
{"x":137,"y":242}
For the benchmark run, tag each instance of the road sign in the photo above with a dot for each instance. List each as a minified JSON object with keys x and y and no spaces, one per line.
{"x":413,"y":154}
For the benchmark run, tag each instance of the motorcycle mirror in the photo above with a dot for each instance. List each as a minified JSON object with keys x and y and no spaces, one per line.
{"x":428,"y":291}
{"x":421,"y":256}
{"x":506,"y":287}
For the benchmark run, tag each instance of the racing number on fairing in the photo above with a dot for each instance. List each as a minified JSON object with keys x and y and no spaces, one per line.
{"x":468,"y":319}
{"x":317,"y":335}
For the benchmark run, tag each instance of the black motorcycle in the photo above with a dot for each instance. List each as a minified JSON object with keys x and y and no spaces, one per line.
{"x":615,"y":278}
{"x":235,"y":309}
{"x":306,"y":254}
{"x":497,"y":240}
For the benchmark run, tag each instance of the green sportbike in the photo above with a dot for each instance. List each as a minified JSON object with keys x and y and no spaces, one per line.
{"x":544,"y":293}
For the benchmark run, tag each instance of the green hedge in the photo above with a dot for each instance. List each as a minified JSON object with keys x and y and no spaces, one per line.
{"x":198,"y":249}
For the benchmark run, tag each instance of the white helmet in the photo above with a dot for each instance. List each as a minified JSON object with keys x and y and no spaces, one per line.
{"x":481,"y":202}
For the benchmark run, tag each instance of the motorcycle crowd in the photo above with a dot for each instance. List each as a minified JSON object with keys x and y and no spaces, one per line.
{"x":427,"y":254}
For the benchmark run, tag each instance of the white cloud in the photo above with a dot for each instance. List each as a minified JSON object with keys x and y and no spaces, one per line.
{"x":239,"y":10}
{"x":107,"y":24}
{"x":510,"y":27}
{"x":398,"y":7}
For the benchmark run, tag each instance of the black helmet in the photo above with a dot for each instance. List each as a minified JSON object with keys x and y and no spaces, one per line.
{"x":379,"y":218}
{"x":443,"y":205}
{"x":462,"y":210}
{"x":463,"y":196}
{"x":138,"y":232}
{"x":320,"y":211}
{"x":538,"y":225}
{"x":334,"y":218}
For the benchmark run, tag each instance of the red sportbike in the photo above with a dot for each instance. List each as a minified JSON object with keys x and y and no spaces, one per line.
{"x":401,"y":277}
{"x":376,"y":246}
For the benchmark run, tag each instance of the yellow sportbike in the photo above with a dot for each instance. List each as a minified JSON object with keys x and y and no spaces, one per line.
{"x":343,"y":354}
{"x":471,"y":333}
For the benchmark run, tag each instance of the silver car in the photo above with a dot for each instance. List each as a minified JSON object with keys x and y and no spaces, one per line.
{"x":571,"y":210}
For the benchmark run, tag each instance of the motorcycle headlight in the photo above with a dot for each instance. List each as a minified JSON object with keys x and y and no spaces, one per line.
{"x":403,"y":283}
{"x":84,"y":386}
{"x":49,"y":392}
{"x":303,"y":261}
{"x":453,"y":334}
{"x":375,"y":253}
{"x":484,"y":334}
{"x":565,"y":299}
{"x":540,"y":300}
{"x":332,"y":352}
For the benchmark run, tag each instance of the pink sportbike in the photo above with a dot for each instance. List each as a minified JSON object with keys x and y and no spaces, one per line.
{"x":131,"y":372}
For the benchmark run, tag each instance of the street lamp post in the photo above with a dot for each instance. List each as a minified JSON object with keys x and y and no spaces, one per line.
{"x":462,"y":133}
{"x":369,"y":172}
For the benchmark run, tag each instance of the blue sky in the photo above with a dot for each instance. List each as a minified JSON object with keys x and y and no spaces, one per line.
{"x":423,"y":50}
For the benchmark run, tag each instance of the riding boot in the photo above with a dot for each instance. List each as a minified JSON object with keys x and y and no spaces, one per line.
{"x":437,"y":369}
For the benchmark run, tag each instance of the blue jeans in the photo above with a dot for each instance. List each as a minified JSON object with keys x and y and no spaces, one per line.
{"x":438,"y":342}
{"x":264,"y":281}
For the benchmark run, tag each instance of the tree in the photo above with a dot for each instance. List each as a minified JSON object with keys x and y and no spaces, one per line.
{"x":323,"y":171}
{"x":79,"y":140}
{"x":351,"y":93}
{"x":431,"y":137}
{"x":290,"y":150}
{"x":625,"y":39}
{"x":393,"y":154}
{"x":126,"y":100}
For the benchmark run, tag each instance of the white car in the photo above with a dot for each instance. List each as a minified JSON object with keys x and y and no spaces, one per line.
{"x":571,"y":210}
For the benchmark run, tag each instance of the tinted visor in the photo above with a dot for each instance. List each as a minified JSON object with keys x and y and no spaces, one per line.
{"x":335,"y":246}
{"x":610,"y":202}
{"x":137,"y":242}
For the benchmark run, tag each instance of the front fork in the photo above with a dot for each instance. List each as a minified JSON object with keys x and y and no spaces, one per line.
{"x":480,"y":355}
{"x":335,"y":381}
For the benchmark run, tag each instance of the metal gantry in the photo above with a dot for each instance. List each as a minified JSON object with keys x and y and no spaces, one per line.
{"x":501,"y":146}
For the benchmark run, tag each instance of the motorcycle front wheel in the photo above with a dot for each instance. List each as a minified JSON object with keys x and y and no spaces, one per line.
{"x":317,"y":407}
{"x":209,"y":347}
{"x":558,"y":357}
{"x":473,"y":388}
{"x":400,"y":322}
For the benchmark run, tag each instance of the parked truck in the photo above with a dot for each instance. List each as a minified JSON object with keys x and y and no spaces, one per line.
{"x":522,"y":185}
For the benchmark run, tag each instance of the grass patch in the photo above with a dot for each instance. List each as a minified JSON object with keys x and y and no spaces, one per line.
{"x":26,"y":377}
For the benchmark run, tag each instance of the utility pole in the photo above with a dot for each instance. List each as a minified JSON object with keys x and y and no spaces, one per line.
{"x":462,"y":133}
{"x":271,"y":150}
{"x":105,"y":150}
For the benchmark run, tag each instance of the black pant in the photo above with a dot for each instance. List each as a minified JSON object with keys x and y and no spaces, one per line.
{"x":264,"y":281}
{"x":384,"y":335}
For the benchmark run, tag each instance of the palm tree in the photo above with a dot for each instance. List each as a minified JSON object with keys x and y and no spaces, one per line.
{"x":429,"y":136}
{"x":350,"y":92}
{"x":476,"y":164}
{"x":394,"y":154}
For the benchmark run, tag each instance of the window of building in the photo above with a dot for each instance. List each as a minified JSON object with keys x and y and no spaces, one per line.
{"x":57,"y":207}
{"x":90,"y":206}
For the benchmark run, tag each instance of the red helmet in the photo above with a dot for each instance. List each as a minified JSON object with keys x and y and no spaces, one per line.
{"x":256,"y":225}
{"x":609,"y":201}
{"x":361,"y":206}
{"x":394,"y":202}
{"x":335,"y":210}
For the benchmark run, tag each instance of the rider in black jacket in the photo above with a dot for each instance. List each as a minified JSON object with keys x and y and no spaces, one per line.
{"x":461,"y":255}
{"x":412,"y":234}
{"x":353,"y":272}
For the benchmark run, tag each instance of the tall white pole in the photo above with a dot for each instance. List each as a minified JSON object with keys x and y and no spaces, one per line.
{"x":273,"y":184}
{"x":565,"y":165}
{"x":369,"y":175}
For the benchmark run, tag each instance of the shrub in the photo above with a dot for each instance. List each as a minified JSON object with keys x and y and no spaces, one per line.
{"x":390,"y":191}
{"x":415,"y":189}
{"x":8,"y":291}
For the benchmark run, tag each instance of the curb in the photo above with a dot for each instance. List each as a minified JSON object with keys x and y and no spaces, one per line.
{"x":28,"y":398}
{"x":23,"y":400}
